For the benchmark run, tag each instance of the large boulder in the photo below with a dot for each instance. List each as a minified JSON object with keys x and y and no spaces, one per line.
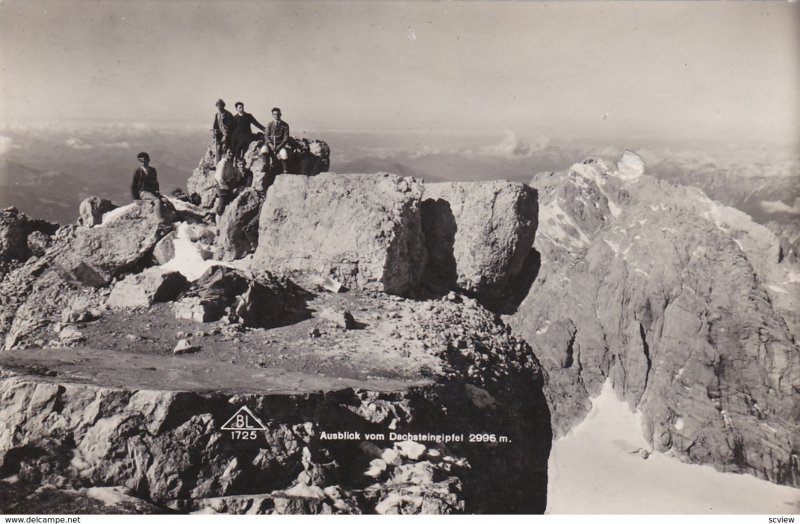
{"x":364,"y":230}
{"x":203,"y":184}
{"x":263,"y":302}
{"x":95,"y":255}
{"x":211,"y":294}
{"x":478,"y":235}
{"x":150,"y":286}
{"x":92,"y":209}
{"x":238,"y":225}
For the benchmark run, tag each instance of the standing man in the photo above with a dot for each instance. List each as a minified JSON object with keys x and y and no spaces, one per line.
{"x":223,"y":129}
{"x":226,"y":178}
{"x":276,"y":139}
{"x":242,"y":133}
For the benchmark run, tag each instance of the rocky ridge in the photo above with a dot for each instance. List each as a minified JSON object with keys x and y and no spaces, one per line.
{"x":683,"y":304}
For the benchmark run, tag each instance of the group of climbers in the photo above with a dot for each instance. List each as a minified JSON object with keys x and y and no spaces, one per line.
{"x":232,"y":135}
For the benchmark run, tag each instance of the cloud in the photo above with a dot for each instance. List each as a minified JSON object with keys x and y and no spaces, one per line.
{"x":116,"y":145}
{"x":511,"y":146}
{"x":5,"y":144}
{"x":776,"y":206}
{"x":77,"y":143}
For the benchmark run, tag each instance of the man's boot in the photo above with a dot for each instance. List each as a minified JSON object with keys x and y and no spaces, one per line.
{"x":285,"y":166}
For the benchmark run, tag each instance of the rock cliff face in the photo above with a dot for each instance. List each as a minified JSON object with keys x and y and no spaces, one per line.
{"x":478,"y":237}
{"x":680,"y":302}
{"x":364,"y":230}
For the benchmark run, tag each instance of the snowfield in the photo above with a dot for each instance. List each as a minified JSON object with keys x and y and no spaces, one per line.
{"x":598,"y":468}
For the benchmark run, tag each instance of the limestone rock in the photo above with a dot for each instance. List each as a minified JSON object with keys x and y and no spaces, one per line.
{"x":264,"y":302}
{"x":184,"y":346}
{"x":92,"y":209}
{"x":202,"y":183}
{"x":478,"y":236}
{"x":95,"y":255}
{"x":38,"y":243}
{"x":211,"y":294}
{"x":13,"y":235}
{"x":164,"y":250}
{"x":365,"y":229}
{"x":664,"y":293}
{"x":146,"y":288}
{"x":22,"y":237}
{"x":238,"y":225}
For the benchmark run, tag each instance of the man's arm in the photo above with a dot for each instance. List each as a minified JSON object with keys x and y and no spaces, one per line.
{"x":155,"y":179}
{"x":255,"y":122}
{"x":135,"y":185}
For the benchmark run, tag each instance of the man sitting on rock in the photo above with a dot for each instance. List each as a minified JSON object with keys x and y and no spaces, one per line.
{"x":245,"y":175}
{"x":145,"y":187}
{"x":276,"y":140}
{"x":227,"y":180}
{"x":242,"y":132}
{"x":145,"y":180}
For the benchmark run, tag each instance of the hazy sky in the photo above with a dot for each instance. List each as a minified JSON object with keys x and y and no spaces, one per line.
{"x":714,"y":70}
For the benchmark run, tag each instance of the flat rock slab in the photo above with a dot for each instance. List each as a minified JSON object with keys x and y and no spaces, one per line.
{"x":165,"y":373}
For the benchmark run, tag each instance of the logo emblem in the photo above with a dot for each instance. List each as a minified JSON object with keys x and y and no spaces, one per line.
{"x":243,"y":425}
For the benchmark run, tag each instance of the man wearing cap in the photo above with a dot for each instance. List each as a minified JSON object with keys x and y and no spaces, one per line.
{"x":223,"y":129}
{"x":242,"y":132}
{"x":276,"y":139}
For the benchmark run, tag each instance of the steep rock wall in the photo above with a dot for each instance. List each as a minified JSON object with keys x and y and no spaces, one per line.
{"x":364,"y":230}
{"x":642,"y":284}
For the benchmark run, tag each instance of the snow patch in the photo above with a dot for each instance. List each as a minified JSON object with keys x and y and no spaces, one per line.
{"x":115,"y":214}
{"x":595,"y":469}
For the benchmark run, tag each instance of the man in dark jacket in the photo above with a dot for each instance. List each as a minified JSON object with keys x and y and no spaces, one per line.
{"x":242,"y":132}
{"x":276,"y":139}
{"x":145,"y":180}
{"x":223,"y":129}
{"x":145,"y":183}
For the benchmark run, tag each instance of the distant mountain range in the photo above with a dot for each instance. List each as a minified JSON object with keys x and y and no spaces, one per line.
{"x":47,"y":172}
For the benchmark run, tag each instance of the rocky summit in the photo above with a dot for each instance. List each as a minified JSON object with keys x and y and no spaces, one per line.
{"x":291,"y":359}
{"x":334,"y":342}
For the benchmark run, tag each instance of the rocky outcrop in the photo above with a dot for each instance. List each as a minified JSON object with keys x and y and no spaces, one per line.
{"x":92,"y":209}
{"x":364,"y":230}
{"x":21,"y":237}
{"x":462,"y":428}
{"x":95,"y":255}
{"x":658,"y":290}
{"x":79,"y":259}
{"x":478,"y":237}
{"x":261,"y":302}
{"x":238,"y":225}
{"x":309,"y":157}
{"x":146,"y":288}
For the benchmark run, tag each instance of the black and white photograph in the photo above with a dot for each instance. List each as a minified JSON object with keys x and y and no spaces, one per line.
{"x":403,"y":257}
